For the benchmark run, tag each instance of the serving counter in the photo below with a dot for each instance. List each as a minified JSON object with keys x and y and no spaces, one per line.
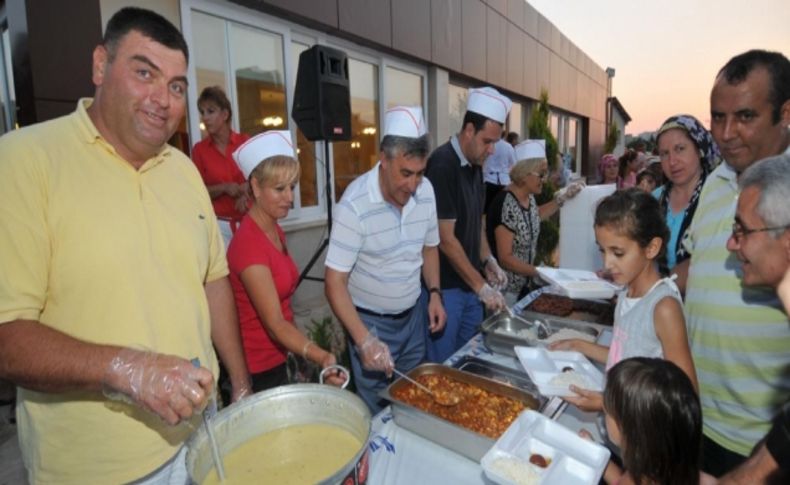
{"x":398,"y":456}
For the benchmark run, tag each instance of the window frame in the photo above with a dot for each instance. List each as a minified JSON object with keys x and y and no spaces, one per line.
{"x":290,"y":32}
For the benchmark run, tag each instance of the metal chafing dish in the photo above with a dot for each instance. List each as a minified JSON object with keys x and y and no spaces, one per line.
{"x":501,"y":332}
{"x":456,"y":438}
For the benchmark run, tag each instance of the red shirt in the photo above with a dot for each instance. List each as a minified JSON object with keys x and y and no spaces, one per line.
{"x":218,"y":168}
{"x":248,"y":247}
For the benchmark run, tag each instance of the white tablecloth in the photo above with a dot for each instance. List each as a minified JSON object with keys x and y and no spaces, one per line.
{"x":398,"y":456}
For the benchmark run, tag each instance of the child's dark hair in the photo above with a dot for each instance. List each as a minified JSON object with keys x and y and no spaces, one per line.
{"x":658,"y":413}
{"x":637,"y":215}
{"x":646,"y":174}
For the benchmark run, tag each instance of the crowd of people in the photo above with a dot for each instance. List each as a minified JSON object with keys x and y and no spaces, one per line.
{"x":116,"y":300}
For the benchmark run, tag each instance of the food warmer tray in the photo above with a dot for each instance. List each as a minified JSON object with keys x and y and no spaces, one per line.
{"x":499,"y":330}
{"x":449,"y":435}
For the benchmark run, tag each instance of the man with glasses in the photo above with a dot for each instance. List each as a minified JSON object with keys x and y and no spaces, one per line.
{"x":761,"y":241}
{"x":739,"y":336}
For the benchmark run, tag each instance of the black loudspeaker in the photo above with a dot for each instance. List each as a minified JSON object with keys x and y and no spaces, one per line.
{"x":322,"y":107}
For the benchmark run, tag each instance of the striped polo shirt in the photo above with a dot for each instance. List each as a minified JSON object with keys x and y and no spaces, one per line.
{"x":740,"y":339}
{"x":381,"y":246}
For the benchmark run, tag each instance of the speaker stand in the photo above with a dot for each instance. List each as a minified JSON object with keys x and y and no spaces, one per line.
{"x":325,"y":242}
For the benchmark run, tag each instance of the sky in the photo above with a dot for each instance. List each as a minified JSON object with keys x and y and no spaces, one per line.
{"x":666,"y":53}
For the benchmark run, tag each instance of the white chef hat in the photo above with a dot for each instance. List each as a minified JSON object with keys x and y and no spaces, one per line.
{"x":262,"y":146}
{"x":530,"y":149}
{"x":404,"y":121}
{"x":490,"y":103}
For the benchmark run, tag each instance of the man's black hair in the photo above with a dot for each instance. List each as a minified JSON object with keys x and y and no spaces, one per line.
{"x":778,"y":66}
{"x":477,"y":120}
{"x":146,"y":22}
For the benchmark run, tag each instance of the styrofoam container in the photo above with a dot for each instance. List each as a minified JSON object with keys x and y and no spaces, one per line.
{"x":577,"y":283}
{"x":574,"y":460}
{"x":543,"y":365}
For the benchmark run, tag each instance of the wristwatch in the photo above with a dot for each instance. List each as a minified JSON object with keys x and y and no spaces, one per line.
{"x":437,"y":291}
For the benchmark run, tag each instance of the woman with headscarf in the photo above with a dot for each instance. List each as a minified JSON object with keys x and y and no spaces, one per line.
{"x":212,"y":156}
{"x":607,"y":169}
{"x":688,"y":154}
{"x":262,"y":273}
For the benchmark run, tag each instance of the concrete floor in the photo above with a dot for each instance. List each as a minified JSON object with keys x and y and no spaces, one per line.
{"x":12,"y":471}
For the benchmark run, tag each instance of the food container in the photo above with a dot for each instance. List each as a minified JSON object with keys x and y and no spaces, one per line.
{"x":577,"y":283}
{"x":501,"y":332}
{"x":572,"y":459}
{"x":281,"y":407}
{"x":454,"y":437}
{"x":544,"y":366}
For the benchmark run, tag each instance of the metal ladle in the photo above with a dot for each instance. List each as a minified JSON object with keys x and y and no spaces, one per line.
{"x":215,"y":455}
{"x":448,"y":399}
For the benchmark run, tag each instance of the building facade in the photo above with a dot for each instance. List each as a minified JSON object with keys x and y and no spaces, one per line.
{"x":414,"y":52}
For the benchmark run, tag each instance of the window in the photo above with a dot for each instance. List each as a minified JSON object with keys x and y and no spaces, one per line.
{"x":257,"y":60}
{"x":403,"y":88}
{"x":573,"y":144}
{"x":355,"y":157}
{"x":457,"y":106}
{"x":210,"y":52}
{"x":516,"y":120}
{"x":7,"y":100}
{"x":255,"y":57}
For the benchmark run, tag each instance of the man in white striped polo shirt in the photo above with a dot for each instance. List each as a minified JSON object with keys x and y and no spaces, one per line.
{"x":740,"y":339}
{"x":384,"y":237}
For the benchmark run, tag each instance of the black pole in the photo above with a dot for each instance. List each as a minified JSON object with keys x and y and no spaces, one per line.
{"x":325,"y":242}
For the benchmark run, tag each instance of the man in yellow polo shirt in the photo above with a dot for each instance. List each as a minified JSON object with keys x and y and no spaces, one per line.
{"x":113,"y":273}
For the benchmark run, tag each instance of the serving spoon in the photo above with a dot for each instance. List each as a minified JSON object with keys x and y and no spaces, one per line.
{"x":442,"y":399}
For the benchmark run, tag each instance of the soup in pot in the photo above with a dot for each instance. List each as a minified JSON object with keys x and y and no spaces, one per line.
{"x":300,"y":454}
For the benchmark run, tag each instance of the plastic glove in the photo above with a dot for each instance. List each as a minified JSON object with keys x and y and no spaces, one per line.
{"x":568,"y":192}
{"x":168,"y":386}
{"x":376,"y":355}
{"x":495,"y":276}
{"x":491,"y":298}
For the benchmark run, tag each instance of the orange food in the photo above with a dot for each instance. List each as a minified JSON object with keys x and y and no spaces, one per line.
{"x":478,"y":410}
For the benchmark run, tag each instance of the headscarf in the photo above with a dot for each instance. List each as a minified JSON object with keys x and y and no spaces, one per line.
{"x":606,"y":160}
{"x":709,"y":156}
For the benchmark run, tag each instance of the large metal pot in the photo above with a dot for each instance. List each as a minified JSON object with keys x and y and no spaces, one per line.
{"x":279,"y":408}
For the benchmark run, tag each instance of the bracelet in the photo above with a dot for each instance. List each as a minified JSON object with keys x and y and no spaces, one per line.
{"x":438,"y":291}
{"x":304,"y":349}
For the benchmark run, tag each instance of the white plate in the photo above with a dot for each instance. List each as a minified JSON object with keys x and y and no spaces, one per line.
{"x":574,"y":460}
{"x":577,"y":283}
{"x":544,"y":365}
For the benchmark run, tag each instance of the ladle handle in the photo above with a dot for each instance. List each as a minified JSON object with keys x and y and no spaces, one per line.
{"x":412,"y":381}
{"x":336,"y":367}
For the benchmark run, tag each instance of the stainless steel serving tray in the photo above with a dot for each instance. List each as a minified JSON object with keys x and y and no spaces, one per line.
{"x":550,"y":407}
{"x":500,"y":330}
{"x":456,"y":438}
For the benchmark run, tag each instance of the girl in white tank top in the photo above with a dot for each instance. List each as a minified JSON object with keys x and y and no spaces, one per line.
{"x":632,"y":235}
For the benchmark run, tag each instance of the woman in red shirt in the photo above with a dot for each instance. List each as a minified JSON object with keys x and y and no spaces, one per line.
{"x":212,"y":156}
{"x":262,"y":273}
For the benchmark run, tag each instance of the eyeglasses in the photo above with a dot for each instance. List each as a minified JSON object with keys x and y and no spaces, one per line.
{"x":739,"y":231}
{"x":541,"y":176}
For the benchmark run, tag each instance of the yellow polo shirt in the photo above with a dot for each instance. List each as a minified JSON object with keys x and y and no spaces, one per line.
{"x":107,"y":254}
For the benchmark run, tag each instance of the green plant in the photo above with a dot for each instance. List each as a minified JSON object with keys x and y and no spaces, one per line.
{"x":611,"y":138}
{"x":539,"y":128}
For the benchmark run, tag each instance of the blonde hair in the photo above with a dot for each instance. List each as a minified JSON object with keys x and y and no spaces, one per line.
{"x":278,"y":168}
{"x":522,"y":168}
